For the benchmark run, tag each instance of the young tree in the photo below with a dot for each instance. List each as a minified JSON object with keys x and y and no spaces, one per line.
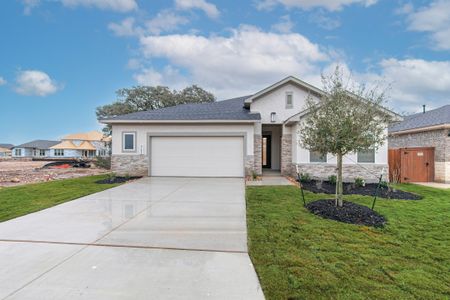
{"x":346,"y":119}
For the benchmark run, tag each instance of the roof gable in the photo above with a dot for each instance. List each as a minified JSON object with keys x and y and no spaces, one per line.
{"x":290,"y":79}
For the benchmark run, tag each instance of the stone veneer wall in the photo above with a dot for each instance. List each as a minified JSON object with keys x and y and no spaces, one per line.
{"x":286,"y":154}
{"x":370,"y":172}
{"x":436,"y":138}
{"x":134,"y":165}
{"x":257,"y":158}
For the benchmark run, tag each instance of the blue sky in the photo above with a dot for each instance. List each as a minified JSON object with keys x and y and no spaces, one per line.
{"x":60,"y":59}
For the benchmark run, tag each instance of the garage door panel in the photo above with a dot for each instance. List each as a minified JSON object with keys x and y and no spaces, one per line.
{"x":197,"y":156}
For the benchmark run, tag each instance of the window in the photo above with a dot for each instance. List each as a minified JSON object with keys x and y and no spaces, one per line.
{"x":59,"y":152}
{"x":17,"y":152}
{"x":129,"y":141}
{"x":366,"y":156}
{"x":42,"y":152}
{"x":289,"y":100}
{"x":316,"y":157}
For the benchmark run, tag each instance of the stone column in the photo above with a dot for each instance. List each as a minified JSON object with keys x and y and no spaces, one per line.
{"x":286,"y":154}
{"x":257,"y":148}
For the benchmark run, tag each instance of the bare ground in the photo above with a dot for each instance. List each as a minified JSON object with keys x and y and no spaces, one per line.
{"x":13,"y":172}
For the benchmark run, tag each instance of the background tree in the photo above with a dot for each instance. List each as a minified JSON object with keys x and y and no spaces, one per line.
{"x":347,"y":118}
{"x":142,"y":98}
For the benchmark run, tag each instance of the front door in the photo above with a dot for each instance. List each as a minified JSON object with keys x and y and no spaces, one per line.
{"x":266,"y":151}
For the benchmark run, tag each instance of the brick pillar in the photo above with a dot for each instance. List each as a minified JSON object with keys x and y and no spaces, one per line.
{"x":257,"y":148}
{"x":286,"y":154}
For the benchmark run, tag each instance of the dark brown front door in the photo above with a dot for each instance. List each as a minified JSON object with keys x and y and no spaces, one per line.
{"x":417,"y":165}
{"x":266,"y":151}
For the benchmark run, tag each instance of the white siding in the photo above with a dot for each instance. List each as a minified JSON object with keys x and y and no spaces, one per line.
{"x":275,"y":101}
{"x":142,"y":131}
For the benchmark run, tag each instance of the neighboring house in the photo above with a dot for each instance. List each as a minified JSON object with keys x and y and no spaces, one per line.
{"x":427,"y":129}
{"x":230,"y":138}
{"x":82,"y":145}
{"x":5,"y":150}
{"x":37,"y":148}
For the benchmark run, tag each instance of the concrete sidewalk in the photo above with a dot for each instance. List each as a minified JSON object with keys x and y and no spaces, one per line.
{"x":163,"y":238}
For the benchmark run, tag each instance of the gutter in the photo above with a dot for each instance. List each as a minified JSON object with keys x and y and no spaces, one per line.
{"x":176,"y":121}
{"x":421,"y":129}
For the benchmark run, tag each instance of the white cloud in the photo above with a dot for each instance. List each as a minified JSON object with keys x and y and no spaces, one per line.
{"x":331,"y":5}
{"x":208,"y":8}
{"x":114,"y":5}
{"x":285,"y":25}
{"x":125,"y":28}
{"x":2,"y":81}
{"x":165,"y":21}
{"x":169,"y":76}
{"x":322,"y":20}
{"x":35,"y":83}
{"x":434,"y":19}
{"x":29,"y":5}
{"x":240,"y":63}
{"x":414,"y":82}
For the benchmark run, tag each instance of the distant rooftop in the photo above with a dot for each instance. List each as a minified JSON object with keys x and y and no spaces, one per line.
{"x":38,"y":144}
{"x":438,"y":116}
{"x":7,"y":146}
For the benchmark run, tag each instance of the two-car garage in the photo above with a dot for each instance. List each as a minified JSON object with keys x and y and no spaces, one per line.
{"x":196,"y":156}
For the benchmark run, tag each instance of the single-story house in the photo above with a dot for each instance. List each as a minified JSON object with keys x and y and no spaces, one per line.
{"x":5,"y":150}
{"x":426,"y":129}
{"x":231,"y":138}
{"x":37,"y":148}
{"x":82,"y":145}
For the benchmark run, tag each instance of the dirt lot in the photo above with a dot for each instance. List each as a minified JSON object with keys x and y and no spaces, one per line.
{"x":14,"y":173}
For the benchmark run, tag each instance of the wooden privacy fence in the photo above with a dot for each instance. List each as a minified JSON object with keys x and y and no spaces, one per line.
{"x":411,"y":164}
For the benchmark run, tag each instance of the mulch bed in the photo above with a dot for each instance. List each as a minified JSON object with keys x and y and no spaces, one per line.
{"x":369,"y":189}
{"x":117,"y":179}
{"x":349,"y":213}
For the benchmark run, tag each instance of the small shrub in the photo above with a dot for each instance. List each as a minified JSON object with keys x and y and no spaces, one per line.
{"x":332,"y":179}
{"x":103,"y":162}
{"x":384,"y":184}
{"x":359,"y":182}
{"x":254,"y":175}
{"x":112,"y":177}
{"x":305,"y":177}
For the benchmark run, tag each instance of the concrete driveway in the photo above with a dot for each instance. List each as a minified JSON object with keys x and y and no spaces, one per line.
{"x":156,"y":238}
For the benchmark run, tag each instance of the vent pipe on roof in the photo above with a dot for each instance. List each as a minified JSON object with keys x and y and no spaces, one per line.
{"x":424,"y":108}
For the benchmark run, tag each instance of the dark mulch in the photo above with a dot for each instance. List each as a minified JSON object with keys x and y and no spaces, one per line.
{"x":69,"y":163}
{"x":349,"y":213}
{"x":117,"y":179}
{"x":317,"y":186}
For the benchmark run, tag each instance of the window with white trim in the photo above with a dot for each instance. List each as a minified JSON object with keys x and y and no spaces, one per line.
{"x":129,"y":141}
{"x":42,"y":152}
{"x":58,"y":152}
{"x":316,"y":157}
{"x":367,"y":156}
{"x":289,"y":100}
{"x":18,"y":152}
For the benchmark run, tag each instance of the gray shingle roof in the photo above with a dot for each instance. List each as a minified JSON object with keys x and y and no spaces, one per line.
{"x":38,"y":144}
{"x":7,"y":146}
{"x":232,"y":109}
{"x":438,"y":116}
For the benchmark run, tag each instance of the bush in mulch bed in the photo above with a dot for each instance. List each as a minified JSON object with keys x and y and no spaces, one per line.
{"x":349,"y":213}
{"x":117,"y":179}
{"x":317,"y":186}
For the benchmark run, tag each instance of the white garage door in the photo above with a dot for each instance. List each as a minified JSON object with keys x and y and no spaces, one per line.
{"x":197,"y":156}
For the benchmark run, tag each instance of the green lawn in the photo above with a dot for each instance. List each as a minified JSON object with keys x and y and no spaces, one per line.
{"x":25,"y":199}
{"x":298,"y":255}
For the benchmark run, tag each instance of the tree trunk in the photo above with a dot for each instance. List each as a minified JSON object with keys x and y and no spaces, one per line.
{"x":339,"y":184}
